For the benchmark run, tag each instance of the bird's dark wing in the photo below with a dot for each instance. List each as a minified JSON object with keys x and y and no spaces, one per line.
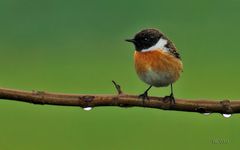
{"x":172,"y":48}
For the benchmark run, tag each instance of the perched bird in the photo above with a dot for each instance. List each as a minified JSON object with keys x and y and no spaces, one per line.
{"x":157,"y":61}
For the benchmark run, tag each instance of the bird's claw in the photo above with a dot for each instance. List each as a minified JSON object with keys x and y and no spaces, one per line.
{"x":170,"y":98}
{"x":144,"y":96}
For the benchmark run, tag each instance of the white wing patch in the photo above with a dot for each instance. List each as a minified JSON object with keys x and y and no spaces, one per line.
{"x":161,"y":44}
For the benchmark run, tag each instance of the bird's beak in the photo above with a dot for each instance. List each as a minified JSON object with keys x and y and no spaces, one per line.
{"x":130,"y":40}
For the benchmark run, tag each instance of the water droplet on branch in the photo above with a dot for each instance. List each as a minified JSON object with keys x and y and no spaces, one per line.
{"x":206,"y":114}
{"x":227,"y":115}
{"x":87,"y":108}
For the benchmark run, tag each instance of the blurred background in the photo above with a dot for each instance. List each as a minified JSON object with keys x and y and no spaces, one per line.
{"x":77,"y":46}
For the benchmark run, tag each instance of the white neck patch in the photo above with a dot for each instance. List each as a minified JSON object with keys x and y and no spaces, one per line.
{"x":161,"y":44}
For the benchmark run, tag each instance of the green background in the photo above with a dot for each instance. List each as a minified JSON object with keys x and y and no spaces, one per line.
{"x":78,"y":47}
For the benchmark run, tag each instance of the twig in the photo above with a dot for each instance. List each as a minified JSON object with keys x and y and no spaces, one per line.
{"x":118,"y":87}
{"x":122,"y":100}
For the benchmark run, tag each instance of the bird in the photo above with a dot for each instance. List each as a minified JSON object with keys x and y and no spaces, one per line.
{"x":157,"y":61}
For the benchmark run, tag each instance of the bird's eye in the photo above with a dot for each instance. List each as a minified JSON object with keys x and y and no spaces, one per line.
{"x":146,"y":39}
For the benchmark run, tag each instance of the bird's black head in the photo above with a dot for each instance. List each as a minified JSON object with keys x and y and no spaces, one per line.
{"x":145,"y":39}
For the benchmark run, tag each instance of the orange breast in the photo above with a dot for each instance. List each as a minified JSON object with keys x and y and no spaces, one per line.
{"x":160,"y":62}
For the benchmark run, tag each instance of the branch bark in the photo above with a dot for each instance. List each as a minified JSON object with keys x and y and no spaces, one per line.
{"x":121,"y":99}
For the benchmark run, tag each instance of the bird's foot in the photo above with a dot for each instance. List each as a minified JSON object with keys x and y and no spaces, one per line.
{"x":170,"y":98}
{"x":144,"y":96}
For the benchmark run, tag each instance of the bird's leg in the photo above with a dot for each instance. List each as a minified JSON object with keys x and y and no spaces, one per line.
{"x":145,"y":94}
{"x":170,"y":97}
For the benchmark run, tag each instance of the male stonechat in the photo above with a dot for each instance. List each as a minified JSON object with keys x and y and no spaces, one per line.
{"x":157,"y":61}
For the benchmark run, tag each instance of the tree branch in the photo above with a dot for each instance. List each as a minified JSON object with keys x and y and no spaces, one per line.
{"x":122,"y":100}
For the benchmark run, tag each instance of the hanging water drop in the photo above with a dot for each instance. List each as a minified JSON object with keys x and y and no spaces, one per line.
{"x":87,"y":108}
{"x":227,"y":115}
{"x":206,"y":114}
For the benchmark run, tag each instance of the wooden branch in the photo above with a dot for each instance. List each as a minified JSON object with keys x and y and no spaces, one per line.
{"x":122,"y":100}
